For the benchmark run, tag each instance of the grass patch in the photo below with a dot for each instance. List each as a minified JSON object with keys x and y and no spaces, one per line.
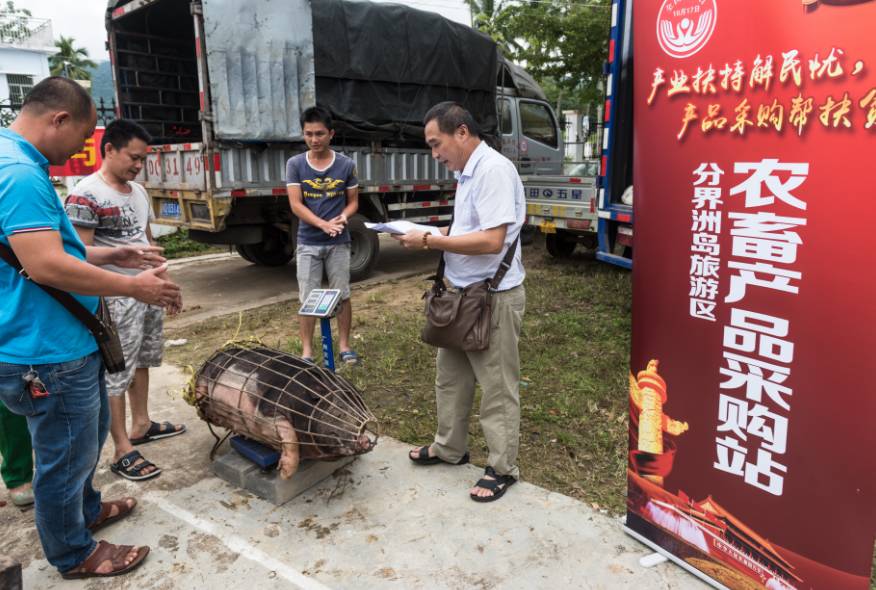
{"x":179,"y":245}
{"x":574,"y":354}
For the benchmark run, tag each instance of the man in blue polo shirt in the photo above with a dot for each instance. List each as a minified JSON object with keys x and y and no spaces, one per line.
{"x":50,"y":370}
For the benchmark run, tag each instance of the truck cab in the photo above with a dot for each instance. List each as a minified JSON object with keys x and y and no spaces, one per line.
{"x":528,"y":128}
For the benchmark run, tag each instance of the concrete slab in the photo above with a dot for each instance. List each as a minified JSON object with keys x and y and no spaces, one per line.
{"x":380,"y":522}
{"x":268,"y":485}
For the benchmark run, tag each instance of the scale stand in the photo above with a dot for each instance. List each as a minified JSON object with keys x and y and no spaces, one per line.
{"x":323,"y":304}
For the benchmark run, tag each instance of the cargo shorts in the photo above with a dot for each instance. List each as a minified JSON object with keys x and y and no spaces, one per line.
{"x":334,"y":259}
{"x":141,"y":328}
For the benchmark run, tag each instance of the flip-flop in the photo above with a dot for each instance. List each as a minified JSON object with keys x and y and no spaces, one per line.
{"x":422,"y":458}
{"x":498,"y":485}
{"x":158,"y":431}
{"x":104,"y":519}
{"x":107,"y":552}
{"x":128,"y":467}
{"x":350,"y":357}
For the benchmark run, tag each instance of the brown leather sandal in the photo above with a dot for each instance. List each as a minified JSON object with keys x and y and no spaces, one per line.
{"x":115,"y":554}
{"x":104,"y":519}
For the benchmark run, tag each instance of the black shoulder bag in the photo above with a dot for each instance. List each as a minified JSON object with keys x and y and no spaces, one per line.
{"x":460,"y":320}
{"x":100,"y":325}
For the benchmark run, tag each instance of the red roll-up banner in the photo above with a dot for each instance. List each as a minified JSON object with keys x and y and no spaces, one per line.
{"x":752,"y":404}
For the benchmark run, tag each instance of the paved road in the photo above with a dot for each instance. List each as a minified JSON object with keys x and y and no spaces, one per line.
{"x":225,"y":283}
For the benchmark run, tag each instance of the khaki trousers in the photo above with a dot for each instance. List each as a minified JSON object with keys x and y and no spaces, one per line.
{"x":497,"y":370}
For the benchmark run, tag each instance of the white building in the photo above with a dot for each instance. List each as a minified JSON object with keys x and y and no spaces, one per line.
{"x":25,"y":46}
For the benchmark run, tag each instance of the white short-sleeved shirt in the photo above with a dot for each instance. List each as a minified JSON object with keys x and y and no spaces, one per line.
{"x":118,"y":219}
{"x":489,"y":194}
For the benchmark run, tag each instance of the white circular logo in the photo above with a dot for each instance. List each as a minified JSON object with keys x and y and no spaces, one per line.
{"x":685,"y":26}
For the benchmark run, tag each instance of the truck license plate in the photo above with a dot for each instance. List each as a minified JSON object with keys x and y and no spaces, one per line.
{"x":548,"y":227}
{"x":169,"y":209}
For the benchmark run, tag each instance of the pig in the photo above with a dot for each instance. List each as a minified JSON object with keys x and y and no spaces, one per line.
{"x":285,"y":401}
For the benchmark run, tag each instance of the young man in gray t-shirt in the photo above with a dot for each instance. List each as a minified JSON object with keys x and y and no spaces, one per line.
{"x":109,"y":209}
{"x":323,"y":193}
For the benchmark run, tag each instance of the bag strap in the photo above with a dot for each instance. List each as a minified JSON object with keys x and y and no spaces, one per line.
{"x":505,"y":264}
{"x":438,"y":285}
{"x":68,"y":301}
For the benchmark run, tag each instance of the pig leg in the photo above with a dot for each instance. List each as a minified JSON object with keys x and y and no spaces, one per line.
{"x":290,"y":454}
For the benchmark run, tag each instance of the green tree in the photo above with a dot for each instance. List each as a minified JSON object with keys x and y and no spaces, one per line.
{"x":492,"y":17}
{"x":70,"y":61}
{"x":563,"y":44}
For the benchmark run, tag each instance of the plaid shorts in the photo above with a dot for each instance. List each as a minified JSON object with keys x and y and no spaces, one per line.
{"x":310,"y":262}
{"x":141,"y":328}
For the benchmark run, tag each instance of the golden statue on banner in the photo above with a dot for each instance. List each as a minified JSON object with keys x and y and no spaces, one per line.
{"x":648,"y":394}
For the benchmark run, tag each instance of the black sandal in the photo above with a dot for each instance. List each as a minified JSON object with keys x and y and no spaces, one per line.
{"x":126,"y":467}
{"x":498,"y":485}
{"x":422,"y":458}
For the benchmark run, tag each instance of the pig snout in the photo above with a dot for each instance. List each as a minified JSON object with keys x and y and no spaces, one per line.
{"x":364,"y":443}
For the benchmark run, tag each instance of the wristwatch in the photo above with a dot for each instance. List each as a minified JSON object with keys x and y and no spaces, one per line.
{"x":425,"y":241}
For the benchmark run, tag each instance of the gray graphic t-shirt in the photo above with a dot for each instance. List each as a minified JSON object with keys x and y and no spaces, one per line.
{"x":118,"y":219}
{"x":324,"y":192}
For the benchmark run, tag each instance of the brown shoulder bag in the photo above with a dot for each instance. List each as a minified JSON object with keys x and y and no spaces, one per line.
{"x":460,"y":319}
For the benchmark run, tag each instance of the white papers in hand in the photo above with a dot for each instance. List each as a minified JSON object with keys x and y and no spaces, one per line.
{"x":401,"y":227}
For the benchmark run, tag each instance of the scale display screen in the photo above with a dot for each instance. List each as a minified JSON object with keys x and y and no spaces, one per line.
{"x":321,"y":303}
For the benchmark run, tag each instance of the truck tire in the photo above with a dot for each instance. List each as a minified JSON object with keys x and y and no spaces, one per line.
{"x":559,"y":245}
{"x":271,"y":251}
{"x":364,"y":248}
{"x":241,"y":250}
{"x":527,"y":234}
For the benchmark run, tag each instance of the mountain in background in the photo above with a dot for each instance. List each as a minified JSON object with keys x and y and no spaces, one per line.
{"x":102,"y":83}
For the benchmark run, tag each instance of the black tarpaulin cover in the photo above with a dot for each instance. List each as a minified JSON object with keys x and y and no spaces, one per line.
{"x":380,"y":67}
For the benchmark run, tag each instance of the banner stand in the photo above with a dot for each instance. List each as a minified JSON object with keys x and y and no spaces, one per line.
{"x":679,"y":562}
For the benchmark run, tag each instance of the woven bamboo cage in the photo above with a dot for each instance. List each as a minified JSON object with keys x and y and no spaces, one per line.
{"x":279,"y":400}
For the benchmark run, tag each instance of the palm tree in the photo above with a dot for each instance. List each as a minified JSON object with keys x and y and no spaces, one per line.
{"x":70,"y":61}
{"x":491,"y":17}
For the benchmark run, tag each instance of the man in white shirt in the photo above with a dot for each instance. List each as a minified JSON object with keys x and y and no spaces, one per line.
{"x":109,"y":209}
{"x":488,"y":213}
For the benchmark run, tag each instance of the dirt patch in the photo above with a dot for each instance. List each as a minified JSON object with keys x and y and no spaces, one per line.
{"x":199,"y":543}
{"x":169,"y":542}
{"x":574,"y":363}
{"x":311,"y":525}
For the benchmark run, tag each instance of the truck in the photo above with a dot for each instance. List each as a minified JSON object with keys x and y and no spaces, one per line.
{"x":220,"y":85}
{"x":597,"y":210}
{"x":615,"y":181}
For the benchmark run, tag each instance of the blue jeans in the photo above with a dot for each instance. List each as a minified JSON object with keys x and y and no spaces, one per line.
{"x":68,"y":428}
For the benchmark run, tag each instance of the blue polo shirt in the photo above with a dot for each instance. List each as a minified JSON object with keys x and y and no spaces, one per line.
{"x":34,"y":328}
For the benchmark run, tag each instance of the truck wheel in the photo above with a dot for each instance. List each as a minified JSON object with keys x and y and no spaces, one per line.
{"x":269,"y":252}
{"x":241,"y":250}
{"x":364,"y":248}
{"x":558,"y":245}
{"x":527,"y":234}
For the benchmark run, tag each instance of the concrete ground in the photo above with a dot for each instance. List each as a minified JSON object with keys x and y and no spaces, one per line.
{"x":381,"y":522}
